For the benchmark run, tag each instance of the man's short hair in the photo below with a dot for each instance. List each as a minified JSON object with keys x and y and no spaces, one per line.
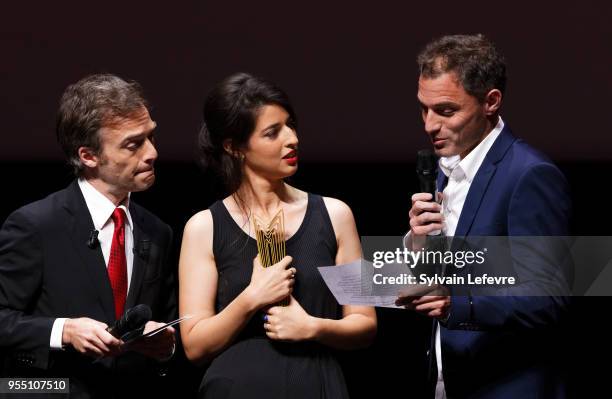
{"x":478,"y":65}
{"x":90,"y":104}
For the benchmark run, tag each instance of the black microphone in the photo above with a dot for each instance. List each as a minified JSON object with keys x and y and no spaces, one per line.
{"x":134,"y":318}
{"x":92,"y":241}
{"x":427,"y":172}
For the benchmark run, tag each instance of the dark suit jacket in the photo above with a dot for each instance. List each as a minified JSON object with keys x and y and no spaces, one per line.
{"x":501,"y":346}
{"x":48,"y":271}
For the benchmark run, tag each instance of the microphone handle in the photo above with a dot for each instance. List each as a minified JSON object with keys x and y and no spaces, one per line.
{"x":112,"y":330}
{"x":428,"y":185}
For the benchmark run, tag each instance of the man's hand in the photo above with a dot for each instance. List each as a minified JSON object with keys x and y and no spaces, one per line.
{"x":435,"y":303}
{"x":160,"y":346}
{"x":89,"y":337}
{"x":425,"y":217}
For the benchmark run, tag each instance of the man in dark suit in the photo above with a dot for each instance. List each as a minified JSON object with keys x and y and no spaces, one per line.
{"x":492,"y":184}
{"x":71,"y":264}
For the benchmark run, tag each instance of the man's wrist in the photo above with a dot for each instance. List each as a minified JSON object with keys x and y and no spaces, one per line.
{"x":444,"y":320}
{"x":167,"y":358}
{"x":446,"y":291}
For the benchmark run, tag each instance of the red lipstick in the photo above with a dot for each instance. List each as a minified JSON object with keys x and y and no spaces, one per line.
{"x":291,"y":158}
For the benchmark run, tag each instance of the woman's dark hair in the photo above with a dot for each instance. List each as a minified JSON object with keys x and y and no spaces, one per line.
{"x":230,"y":112}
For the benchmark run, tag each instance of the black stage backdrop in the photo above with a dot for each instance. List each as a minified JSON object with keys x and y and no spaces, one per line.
{"x":349,"y":68}
{"x":379,"y":195}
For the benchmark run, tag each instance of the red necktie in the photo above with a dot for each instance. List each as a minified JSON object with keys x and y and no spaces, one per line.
{"x":117,"y":264}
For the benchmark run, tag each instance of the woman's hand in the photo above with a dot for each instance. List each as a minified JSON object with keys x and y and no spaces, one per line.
{"x":270,"y":285}
{"x":289,"y":323}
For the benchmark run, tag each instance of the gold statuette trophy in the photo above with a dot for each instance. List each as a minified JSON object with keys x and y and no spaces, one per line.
{"x":271,"y":242}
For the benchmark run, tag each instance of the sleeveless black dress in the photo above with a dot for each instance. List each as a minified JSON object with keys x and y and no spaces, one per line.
{"x":255,"y":366}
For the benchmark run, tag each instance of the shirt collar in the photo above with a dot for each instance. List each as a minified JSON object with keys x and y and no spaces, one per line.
{"x":100,"y":207}
{"x":472,"y":161}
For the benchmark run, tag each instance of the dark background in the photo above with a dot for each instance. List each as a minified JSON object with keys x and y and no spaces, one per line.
{"x":350,"y":71}
{"x":348,"y":67}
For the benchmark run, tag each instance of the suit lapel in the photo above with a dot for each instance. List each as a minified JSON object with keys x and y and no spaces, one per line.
{"x":474,"y":198}
{"x":141,"y":257}
{"x":80,"y":228}
{"x":441,"y":181}
{"x":481,"y":181}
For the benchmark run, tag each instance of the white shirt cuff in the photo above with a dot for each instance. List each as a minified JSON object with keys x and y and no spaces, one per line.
{"x":56,"y":333}
{"x":407,"y":241}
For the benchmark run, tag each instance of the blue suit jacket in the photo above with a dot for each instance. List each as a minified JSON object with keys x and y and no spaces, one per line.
{"x":500,"y":346}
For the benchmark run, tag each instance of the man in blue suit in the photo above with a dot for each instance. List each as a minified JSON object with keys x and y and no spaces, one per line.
{"x":492,"y":184}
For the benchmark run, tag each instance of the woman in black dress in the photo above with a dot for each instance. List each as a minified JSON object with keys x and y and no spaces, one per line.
{"x":255,"y":348}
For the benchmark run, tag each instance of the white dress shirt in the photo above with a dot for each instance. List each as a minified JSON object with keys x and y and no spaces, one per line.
{"x":460,"y":173}
{"x":101,"y":209}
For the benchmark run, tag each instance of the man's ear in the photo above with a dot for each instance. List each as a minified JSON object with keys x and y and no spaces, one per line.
{"x":88,"y":157}
{"x":492,"y":102}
